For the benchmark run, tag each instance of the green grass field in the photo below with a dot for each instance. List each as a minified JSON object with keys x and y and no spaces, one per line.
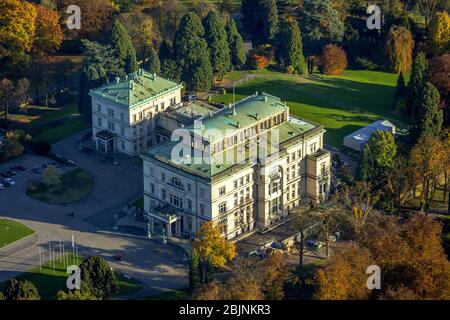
{"x":11,"y":231}
{"x":49,"y":280}
{"x":342,"y":104}
{"x":52,"y":134}
{"x":78,"y":184}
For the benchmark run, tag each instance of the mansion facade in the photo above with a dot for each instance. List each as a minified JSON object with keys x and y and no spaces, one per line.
{"x":245,"y":166}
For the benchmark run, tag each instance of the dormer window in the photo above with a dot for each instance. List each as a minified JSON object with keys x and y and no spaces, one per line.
{"x":177,"y":183}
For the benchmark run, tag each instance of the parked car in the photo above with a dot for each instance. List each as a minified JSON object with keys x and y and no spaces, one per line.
{"x":6,"y":184}
{"x":37,"y":170}
{"x":314,"y":243}
{"x":70,"y":162}
{"x":2,"y":186}
{"x":18,"y":168}
{"x":6,"y":175}
{"x":10,"y":181}
{"x":12,"y":172}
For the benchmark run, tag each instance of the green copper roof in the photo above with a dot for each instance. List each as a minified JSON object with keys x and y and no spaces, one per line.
{"x":242,"y":114}
{"x":288,"y":132}
{"x":135,"y":88}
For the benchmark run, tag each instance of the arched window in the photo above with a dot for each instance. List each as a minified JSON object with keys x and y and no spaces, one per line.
{"x":177,"y":183}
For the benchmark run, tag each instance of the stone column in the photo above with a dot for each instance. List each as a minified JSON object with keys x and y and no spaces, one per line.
{"x":168,"y":230}
{"x":152,"y":225}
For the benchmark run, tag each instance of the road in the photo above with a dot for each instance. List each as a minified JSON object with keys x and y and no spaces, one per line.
{"x":157,"y":266}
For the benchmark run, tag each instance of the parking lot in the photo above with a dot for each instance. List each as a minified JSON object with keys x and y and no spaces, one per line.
{"x":27,"y":162}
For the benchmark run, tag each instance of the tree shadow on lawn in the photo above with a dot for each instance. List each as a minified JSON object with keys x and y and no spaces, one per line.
{"x":330,"y":93}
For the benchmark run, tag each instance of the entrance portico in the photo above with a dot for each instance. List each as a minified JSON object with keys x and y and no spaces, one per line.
{"x":165,"y":220}
{"x":105,"y":142}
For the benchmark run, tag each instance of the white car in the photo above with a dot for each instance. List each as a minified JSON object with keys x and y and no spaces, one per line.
{"x":10,"y":181}
{"x":2,"y":186}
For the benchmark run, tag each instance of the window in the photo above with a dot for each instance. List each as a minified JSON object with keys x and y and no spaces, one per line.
{"x":163,"y":177}
{"x":111,"y":126}
{"x":247,"y":195}
{"x":122,"y":117}
{"x":134,"y":118}
{"x":177,"y":183}
{"x":299,"y":152}
{"x":189,"y":187}
{"x":162,"y":105}
{"x":122,"y":144}
{"x":235,"y":183}
{"x":247,"y":179}
{"x":222,"y":208}
{"x":202,"y":192}
{"x":236,"y":199}
{"x":189,"y":204}
{"x":222,"y":191}
{"x":172,"y":101}
{"x":99,"y":121}
{"x":241,"y":180}
{"x":99,"y":108}
{"x":163,"y":193}
{"x":152,"y":188}
{"x":141,"y":115}
{"x":111,"y":112}
{"x":275,"y":186}
{"x":276,"y":205}
{"x":202,"y":208}
{"x":313,"y":148}
{"x":122,"y":131}
{"x":323,"y":169}
{"x":176,"y":201}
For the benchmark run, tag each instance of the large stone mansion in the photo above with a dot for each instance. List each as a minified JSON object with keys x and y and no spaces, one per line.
{"x":245,"y":166}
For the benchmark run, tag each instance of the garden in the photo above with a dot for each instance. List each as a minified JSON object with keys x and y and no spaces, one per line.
{"x":12,"y":231}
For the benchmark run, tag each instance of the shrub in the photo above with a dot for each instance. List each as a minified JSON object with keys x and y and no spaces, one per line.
{"x":365,"y":63}
{"x":261,"y":57}
{"x":333,"y":60}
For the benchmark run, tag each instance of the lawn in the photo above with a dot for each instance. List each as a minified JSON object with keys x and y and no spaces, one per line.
{"x":11,"y":231}
{"x":76,"y":185}
{"x":51,"y":124}
{"x":49,"y":280}
{"x":342,"y":104}
{"x":170,"y":295}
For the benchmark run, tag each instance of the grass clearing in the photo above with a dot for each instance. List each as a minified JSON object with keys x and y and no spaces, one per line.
{"x":12,"y":231}
{"x":51,"y":279}
{"x":76,"y":185}
{"x":342,"y":104}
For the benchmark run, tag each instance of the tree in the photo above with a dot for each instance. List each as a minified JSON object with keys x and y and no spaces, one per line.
{"x":378,"y":157}
{"x":170,"y":70}
{"x":126,"y":54}
{"x":209,"y":291}
{"x":74,"y":295}
{"x":428,"y":8}
{"x":212,"y":246}
{"x":399,"y":182}
{"x":417,"y":80}
{"x":216,"y":38}
{"x":194,"y":272}
{"x":164,"y":51}
{"x":292,"y":47}
{"x":235,"y":44}
{"x":51,"y":176}
{"x":344,"y":276}
{"x":409,"y":253}
{"x":48,"y":35}
{"x":333,"y":60}
{"x":192,"y":53}
{"x":400,"y":89}
{"x":146,"y":36}
{"x":428,"y":117}
{"x":152,"y":64}
{"x":96,"y":18}
{"x":21,"y":290}
{"x":6,"y":92}
{"x":17,"y":30}
{"x":439,"y":76}
{"x":399,"y":48}
{"x":274,"y":275}
{"x":98,"y":278}
{"x":100,"y":63}
{"x":252,"y":21}
{"x":270,"y":18}
{"x":428,"y":161}
{"x":12,"y":146}
{"x":439,"y":33}
{"x":315,"y":32}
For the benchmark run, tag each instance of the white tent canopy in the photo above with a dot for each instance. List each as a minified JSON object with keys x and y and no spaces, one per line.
{"x":357,"y":139}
